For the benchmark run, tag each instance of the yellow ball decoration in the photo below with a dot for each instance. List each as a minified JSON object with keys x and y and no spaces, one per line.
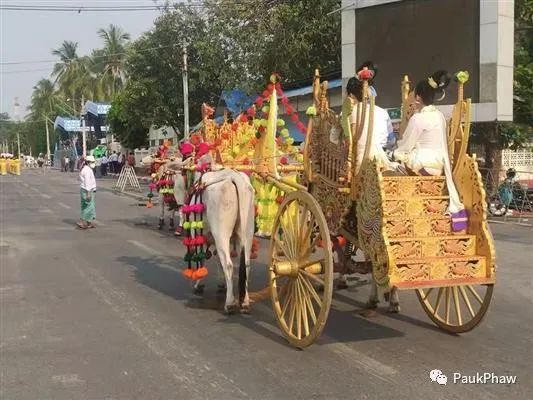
{"x":300,"y":157}
{"x":285,"y":133}
{"x":281,"y":122}
{"x":289,"y":141}
{"x":265,"y":109}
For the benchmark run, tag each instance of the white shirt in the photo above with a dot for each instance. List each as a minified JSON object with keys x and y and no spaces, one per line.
{"x":119,"y":158}
{"x":113,"y":157}
{"x":424,"y":131}
{"x":380,"y":133}
{"x":87,"y":180}
{"x":104,"y":160}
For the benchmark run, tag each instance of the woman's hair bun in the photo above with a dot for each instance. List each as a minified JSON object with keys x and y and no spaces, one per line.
{"x":371,"y":66}
{"x":442,"y":78}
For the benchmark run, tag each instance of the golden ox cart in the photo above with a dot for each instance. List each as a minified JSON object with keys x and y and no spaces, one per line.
{"x":399,"y":223}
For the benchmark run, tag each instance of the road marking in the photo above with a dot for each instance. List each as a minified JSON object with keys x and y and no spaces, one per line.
{"x":186,"y":364}
{"x":46,"y":211}
{"x":369,"y":364}
{"x":64,"y":205}
{"x":68,"y":380}
{"x":46,"y":196}
{"x":25,"y":184}
{"x":34,"y":189}
{"x":144,"y":247}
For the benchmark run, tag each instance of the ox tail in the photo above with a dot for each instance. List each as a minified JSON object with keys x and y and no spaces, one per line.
{"x":245,"y":203}
{"x":242,"y":277}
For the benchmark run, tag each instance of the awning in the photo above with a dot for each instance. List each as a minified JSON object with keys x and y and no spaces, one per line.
{"x":335,"y":83}
{"x":97,"y":109}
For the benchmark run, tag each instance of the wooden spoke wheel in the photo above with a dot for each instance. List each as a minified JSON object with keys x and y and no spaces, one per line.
{"x":456,"y":309}
{"x":301,"y":269}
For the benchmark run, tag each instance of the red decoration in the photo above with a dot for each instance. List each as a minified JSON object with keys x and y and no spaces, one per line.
{"x":250,"y":112}
{"x":270,"y":87}
{"x":289,"y":110}
{"x":265,"y":93}
{"x":234,"y":127}
{"x":284,"y":101}
{"x":261,"y":129}
{"x":366,"y":74}
{"x":294,"y":118}
{"x":284,"y":161}
{"x":279,"y":199}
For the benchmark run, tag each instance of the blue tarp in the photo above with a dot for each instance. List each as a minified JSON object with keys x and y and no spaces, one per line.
{"x":237,"y":101}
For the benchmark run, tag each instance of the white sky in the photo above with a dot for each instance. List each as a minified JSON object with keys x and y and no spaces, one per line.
{"x":31,"y":35}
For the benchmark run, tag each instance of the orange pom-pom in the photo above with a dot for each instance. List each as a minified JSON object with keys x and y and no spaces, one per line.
{"x":188,"y":273}
{"x":341,"y":241}
{"x":149,"y":204}
{"x":201,"y":273}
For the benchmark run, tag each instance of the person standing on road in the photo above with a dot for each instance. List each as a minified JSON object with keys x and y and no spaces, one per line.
{"x":113,"y":158}
{"x":131,"y":159}
{"x":98,"y":169}
{"x":87,"y":191}
{"x":66,"y":160}
{"x":103,"y":165}
{"x":120,"y":162}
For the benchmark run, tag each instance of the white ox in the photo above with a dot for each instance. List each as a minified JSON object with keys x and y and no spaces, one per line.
{"x":229,"y":210}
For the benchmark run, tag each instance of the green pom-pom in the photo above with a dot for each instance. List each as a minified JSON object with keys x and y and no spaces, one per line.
{"x":265,"y":109}
{"x":200,"y":224}
{"x":188,"y":257}
{"x":462,"y":76}
{"x":257,"y":123}
{"x":311,"y":111}
{"x":281,"y":123}
{"x":273,"y":78}
{"x":285,"y":133}
{"x":258,"y":135}
{"x":187,"y":225}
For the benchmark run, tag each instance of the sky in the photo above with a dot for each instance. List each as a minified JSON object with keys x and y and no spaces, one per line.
{"x":31,"y":36}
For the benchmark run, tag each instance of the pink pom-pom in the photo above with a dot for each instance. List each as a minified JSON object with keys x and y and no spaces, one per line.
{"x":186,"y":209}
{"x":199,"y":240}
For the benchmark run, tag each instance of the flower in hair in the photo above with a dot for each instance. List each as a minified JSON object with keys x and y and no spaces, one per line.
{"x":432,"y":83}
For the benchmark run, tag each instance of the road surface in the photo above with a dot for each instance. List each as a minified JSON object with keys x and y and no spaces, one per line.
{"x":104,"y":314}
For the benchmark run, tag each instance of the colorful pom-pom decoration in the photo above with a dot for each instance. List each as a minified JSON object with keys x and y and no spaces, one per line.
{"x":188,"y":273}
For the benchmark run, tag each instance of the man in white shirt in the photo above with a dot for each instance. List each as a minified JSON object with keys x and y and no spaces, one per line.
{"x":87,"y":191}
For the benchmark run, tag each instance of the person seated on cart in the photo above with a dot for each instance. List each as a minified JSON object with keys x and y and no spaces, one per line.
{"x":380,"y":130}
{"x":424,"y":147}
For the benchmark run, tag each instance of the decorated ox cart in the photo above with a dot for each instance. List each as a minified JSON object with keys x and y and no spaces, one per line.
{"x":399,"y":222}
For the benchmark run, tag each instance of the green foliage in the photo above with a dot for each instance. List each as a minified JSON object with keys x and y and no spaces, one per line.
{"x":128,"y":129}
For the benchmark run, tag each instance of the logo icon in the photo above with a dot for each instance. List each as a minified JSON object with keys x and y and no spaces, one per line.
{"x":436,"y":375}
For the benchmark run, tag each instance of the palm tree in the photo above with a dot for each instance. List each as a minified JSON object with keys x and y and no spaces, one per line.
{"x":111,"y":59}
{"x":42,"y":99}
{"x":68,"y":70}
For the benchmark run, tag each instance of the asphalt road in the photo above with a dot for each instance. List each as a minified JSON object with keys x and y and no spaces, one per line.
{"x":105,"y":314}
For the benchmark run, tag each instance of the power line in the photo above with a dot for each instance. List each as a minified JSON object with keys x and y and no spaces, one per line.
{"x":93,"y":57}
{"x":24,"y":71}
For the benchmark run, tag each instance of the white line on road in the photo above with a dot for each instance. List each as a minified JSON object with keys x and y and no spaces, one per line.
{"x":144,"y":247}
{"x":46,"y":196}
{"x":64,"y":205}
{"x":46,"y":211}
{"x":34,"y":189}
{"x":188,"y":366}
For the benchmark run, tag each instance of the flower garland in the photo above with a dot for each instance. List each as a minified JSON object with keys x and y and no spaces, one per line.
{"x":165,"y":186}
{"x":194,"y":236}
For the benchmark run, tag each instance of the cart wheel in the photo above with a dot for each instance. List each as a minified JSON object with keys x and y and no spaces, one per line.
{"x":301,"y":269}
{"x":470,"y":304}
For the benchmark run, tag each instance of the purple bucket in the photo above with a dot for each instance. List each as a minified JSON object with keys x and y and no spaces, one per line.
{"x":459,"y":221}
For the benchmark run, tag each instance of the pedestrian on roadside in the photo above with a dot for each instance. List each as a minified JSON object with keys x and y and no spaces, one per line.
{"x":131,"y":159}
{"x":113,"y":159}
{"x":103,"y":165}
{"x":71,"y":163}
{"x":87,"y":192}
{"x":120,"y":162}
{"x":66,"y":160}
{"x":98,"y":168}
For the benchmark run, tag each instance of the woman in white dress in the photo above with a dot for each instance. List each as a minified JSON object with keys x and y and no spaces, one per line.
{"x":424,"y":149}
{"x":380,"y":130}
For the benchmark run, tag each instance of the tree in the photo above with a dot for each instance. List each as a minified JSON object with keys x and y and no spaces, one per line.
{"x":229,"y":44}
{"x":111,"y":59}
{"x":128,"y":128}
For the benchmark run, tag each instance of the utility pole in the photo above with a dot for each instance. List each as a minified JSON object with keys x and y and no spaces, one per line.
{"x":185,"y":94}
{"x":84,"y":137}
{"x":47,"y":138}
